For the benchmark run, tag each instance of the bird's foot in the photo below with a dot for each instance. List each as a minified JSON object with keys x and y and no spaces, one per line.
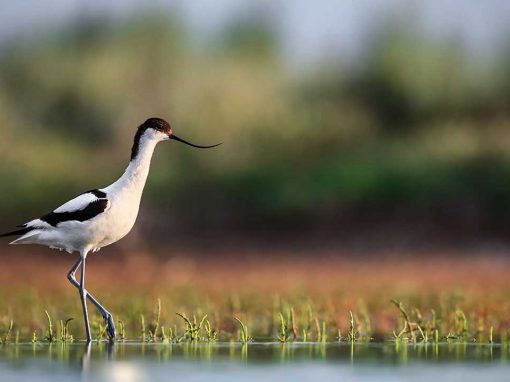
{"x":110,"y":327}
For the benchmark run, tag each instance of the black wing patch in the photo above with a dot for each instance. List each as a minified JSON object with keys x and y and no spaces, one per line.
{"x":92,"y":210}
{"x":96,"y":193}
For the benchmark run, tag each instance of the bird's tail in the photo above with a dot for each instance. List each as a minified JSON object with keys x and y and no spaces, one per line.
{"x":17,"y":232}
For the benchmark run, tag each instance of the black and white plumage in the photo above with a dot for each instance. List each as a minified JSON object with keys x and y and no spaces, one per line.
{"x":99,"y":217}
{"x":53,"y":228}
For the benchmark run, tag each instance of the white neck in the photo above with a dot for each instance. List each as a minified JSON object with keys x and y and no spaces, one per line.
{"x":134,"y":178}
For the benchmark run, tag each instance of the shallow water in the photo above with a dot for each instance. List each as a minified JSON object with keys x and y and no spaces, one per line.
{"x":253,"y":362}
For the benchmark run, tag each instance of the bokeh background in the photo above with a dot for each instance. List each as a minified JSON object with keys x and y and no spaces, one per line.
{"x":353,"y":124}
{"x":366,"y":157}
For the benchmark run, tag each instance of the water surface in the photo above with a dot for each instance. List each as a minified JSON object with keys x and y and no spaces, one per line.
{"x":253,"y":362}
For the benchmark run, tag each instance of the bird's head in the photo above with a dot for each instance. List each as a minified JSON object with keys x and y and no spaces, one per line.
{"x":157,"y":129}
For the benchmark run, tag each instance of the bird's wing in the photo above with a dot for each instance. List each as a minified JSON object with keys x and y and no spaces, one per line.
{"x":81,"y":201}
{"x":82,"y":208}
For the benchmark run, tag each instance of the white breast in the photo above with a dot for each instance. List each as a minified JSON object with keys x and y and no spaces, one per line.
{"x":120,"y":218}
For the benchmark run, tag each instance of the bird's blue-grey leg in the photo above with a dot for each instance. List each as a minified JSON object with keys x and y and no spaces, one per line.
{"x":110,"y":326}
{"x":83,"y":296}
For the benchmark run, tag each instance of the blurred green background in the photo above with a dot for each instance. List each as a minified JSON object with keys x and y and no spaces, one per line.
{"x":403,"y":140}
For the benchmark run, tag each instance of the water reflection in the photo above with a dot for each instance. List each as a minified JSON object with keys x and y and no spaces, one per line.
{"x":84,"y":357}
{"x":130,"y":361}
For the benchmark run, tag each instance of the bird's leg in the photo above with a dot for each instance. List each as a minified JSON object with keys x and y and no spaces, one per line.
{"x":83,"y":296}
{"x":72,"y":272}
{"x":110,"y":326}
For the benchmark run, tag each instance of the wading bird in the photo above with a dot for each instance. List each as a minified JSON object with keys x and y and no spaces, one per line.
{"x":99,"y":217}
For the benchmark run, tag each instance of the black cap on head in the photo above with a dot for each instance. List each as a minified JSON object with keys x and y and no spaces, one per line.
{"x":158,"y":124}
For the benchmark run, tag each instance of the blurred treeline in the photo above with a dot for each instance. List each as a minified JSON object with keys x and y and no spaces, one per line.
{"x":413,"y":134}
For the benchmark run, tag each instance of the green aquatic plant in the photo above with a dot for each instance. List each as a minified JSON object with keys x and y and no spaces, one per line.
{"x":192,"y":329}
{"x":317,"y":329}
{"x":142,"y":327}
{"x":293,"y":327}
{"x":324,"y":333}
{"x":164,"y":338}
{"x":351,"y":337}
{"x":409,"y":326}
{"x":210,"y":333}
{"x":50,"y":334}
{"x":308,"y":323}
{"x":174,"y":335}
{"x":122,"y":330}
{"x":454,"y":324}
{"x":100,"y":327}
{"x":243,"y":337}
{"x":290,"y":326}
{"x":461,"y":323}
{"x":65,"y":336}
{"x":7,"y":336}
{"x":283,"y":335}
{"x":153,"y":333}
{"x":367,"y":323}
